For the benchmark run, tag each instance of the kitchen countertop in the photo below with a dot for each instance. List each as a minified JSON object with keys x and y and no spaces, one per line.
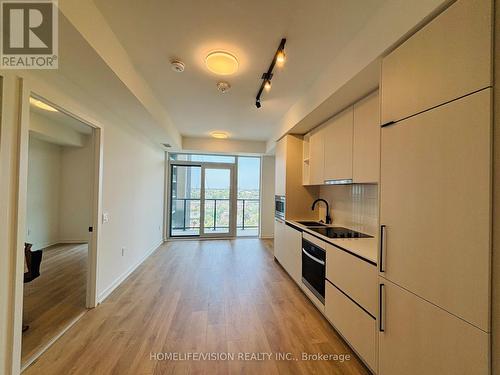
{"x":365,"y":248}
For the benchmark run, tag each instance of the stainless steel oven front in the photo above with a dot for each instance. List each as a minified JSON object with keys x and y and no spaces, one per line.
{"x":314,"y":269}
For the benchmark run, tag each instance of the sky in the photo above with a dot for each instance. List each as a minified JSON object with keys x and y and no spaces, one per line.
{"x":248,"y":175}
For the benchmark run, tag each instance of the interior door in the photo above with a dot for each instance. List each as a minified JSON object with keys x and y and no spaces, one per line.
{"x":218,"y":200}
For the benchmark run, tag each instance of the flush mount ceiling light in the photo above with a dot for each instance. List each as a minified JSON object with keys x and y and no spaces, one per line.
{"x":278,"y":59}
{"x":222,"y":63}
{"x":42,"y":105}
{"x":219,"y":135}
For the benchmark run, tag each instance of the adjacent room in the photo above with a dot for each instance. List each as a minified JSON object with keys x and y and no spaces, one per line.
{"x":58,"y":217}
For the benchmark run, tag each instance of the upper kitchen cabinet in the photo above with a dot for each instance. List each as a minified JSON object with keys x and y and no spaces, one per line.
{"x":288,"y":178}
{"x":435,"y":201}
{"x":366,"y":142}
{"x":448,"y":58}
{"x":338,"y":142}
{"x":317,"y":156}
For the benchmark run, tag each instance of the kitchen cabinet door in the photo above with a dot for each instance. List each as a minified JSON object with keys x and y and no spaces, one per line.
{"x":366,"y":142}
{"x":280,"y":167}
{"x":420,"y":338}
{"x":354,"y":276}
{"x":316,"y":156}
{"x":439,"y":63}
{"x":338,"y":146}
{"x":279,"y":240}
{"x":354,"y":324}
{"x":435,"y":203}
{"x":293,"y":262}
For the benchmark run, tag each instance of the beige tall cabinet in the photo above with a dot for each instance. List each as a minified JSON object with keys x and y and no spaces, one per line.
{"x":288,"y":178}
{"x":435,"y":197}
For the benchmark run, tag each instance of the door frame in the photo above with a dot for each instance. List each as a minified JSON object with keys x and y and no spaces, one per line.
{"x":233,"y":202}
{"x":202,"y":165}
{"x":25,"y":91}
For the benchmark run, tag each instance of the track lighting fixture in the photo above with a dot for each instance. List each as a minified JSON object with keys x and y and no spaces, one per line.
{"x":278,"y":59}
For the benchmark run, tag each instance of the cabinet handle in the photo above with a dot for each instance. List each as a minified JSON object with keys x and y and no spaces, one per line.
{"x":382,"y":246}
{"x":388,"y":124}
{"x":381,"y":304}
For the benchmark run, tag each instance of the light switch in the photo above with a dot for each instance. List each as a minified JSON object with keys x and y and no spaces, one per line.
{"x":105,"y":217}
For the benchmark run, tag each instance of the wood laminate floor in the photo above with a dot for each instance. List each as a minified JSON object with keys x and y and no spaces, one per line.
{"x":56,"y":298}
{"x":200,"y":297}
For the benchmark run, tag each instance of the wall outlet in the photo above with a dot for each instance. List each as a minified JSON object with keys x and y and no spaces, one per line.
{"x":123,"y":251}
{"x":105,"y":217}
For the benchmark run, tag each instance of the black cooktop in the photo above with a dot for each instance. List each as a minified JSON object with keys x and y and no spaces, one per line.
{"x":339,"y":232}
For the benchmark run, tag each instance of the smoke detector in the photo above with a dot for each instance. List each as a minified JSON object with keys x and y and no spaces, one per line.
{"x":223,"y":86}
{"x":177,"y":66}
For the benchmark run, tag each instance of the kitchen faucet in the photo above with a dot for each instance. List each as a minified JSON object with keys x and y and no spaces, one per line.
{"x":328,"y":218}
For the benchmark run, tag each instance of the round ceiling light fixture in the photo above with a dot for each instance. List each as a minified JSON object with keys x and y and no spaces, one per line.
{"x":223,"y":86}
{"x":219,"y":135}
{"x":222,"y":63}
{"x":42,"y":105}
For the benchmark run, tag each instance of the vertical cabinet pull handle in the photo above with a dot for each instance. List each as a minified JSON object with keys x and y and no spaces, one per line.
{"x":382,"y":245}
{"x":381,"y":304}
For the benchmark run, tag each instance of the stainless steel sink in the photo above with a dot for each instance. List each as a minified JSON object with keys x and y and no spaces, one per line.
{"x":311,"y":224}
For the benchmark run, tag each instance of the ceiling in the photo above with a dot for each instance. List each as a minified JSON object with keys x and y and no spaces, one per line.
{"x":154,"y":31}
{"x":61,"y":118}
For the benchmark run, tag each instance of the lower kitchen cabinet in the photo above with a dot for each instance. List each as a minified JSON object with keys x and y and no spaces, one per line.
{"x":421,"y":338}
{"x":293,"y":253}
{"x":355,"y":276}
{"x":279,"y":239}
{"x":287,"y":249}
{"x":353,"y":323}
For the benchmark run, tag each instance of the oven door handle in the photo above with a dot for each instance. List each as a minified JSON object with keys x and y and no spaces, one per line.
{"x":313,"y":258}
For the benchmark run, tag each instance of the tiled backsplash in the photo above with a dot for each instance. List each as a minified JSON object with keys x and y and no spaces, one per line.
{"x":355,"y":206}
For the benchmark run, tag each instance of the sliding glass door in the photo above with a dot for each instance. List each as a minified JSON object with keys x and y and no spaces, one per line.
{"x":202,"y":200}
{"x":218,"y":200}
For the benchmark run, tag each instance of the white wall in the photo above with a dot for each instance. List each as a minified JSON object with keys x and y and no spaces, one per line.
{"x":133,"y":191}
{"x":75,"y":193}
{"x":44,"y":166}
{"x":59,"y":193}
{"x":267,"y":197}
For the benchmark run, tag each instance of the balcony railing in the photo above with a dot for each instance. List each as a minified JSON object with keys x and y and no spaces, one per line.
{"x":240,"y":225}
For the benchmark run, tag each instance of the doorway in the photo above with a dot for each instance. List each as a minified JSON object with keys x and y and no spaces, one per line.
{"x":202,"y":199}
{"x":213,"y":196}
{"x":62,"y":189}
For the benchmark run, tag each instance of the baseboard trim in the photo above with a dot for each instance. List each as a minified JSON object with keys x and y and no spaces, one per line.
{"x":74,"y":241}
{"x":266,"y":237}
{"x":115,"y":284}
{"x":45,"y":245}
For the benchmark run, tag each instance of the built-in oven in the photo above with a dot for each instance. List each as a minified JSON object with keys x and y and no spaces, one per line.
{"x":279,"y":206}
{"x":314,"y":268}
